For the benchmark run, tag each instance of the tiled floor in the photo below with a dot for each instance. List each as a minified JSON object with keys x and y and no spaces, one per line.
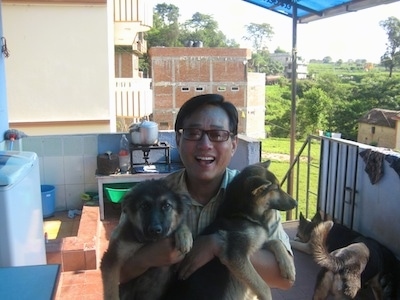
{"x":87,"y":284}
{"x":60,"y":225}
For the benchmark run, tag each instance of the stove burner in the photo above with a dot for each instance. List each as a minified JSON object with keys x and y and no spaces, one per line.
{"x":146,"y":151}
{"x":158,"y":144}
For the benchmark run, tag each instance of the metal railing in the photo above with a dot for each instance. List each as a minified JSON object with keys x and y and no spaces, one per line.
{"x":335,"y":173}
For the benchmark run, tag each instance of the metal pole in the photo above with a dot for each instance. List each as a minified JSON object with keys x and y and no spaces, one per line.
{"x":293,"y":106}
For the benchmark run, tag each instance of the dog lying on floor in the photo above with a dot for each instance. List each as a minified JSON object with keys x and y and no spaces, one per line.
{"x":242,"y":223}
{"x":349,"y":260}
{"x":153,"y":211}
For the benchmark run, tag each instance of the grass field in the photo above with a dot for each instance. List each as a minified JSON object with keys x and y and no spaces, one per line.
{"x":305,"y":174}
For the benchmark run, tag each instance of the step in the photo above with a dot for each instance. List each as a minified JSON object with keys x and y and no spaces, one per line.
{"x":77,"y":252}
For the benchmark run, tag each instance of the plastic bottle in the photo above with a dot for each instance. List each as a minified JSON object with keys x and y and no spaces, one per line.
{"x":124,"y":157}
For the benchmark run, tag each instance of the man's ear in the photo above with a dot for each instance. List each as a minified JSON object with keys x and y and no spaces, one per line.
{"x":235,"y":142}
{"x":177,"y":138}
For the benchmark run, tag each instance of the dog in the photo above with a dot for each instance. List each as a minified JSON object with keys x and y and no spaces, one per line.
{"x":242,"y":224}
{"x":339,"y":236}
{"x":153,"y":210}
{"x":349,"y":261}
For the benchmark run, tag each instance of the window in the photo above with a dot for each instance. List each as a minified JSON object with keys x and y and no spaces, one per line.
{"x":199,"y":89}
{"x":221,"y":89}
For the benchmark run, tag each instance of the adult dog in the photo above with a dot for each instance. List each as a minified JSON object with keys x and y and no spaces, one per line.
{"x":243,"y":224}
{"x":152,"y":211}
{"x":349,"y":260}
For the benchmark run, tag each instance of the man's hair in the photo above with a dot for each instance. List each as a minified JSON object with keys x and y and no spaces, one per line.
{"x":194,"y":103}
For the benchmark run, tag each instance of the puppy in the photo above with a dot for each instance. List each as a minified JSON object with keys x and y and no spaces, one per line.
{"x":152,"y":211}
{"x":243,"y":225}
{"x":339,"y":236}
{"x":349,"y":260}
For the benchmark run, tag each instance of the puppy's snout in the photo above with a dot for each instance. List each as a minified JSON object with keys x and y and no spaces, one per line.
{"x":155,"y":230}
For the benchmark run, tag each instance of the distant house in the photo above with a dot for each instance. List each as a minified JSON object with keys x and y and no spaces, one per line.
{"x":286,"y":60}
{"x":380,"y":127}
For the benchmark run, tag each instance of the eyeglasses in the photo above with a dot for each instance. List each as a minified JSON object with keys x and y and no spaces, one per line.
{"x":196,"y":134}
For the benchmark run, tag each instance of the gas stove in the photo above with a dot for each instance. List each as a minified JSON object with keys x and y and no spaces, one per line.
{"x":160,"y":146}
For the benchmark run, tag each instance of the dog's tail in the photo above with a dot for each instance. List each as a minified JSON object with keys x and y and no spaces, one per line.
{"x":319,"y":249}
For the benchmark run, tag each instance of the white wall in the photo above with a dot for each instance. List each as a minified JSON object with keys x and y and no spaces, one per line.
{"x":3,"y":96}
{"x":58,"y":69}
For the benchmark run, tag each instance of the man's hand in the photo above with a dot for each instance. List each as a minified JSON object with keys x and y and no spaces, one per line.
{"x":205,"y":248}
{"x":158,"y":254}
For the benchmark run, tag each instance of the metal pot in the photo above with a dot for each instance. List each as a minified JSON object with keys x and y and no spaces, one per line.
{"x":144,"y":133}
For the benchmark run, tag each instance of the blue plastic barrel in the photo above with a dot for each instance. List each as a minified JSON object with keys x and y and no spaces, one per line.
{"x":48,"y":200}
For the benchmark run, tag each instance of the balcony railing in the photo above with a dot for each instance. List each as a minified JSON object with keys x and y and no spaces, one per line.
{"x":133,"y":11}
{"x":133,"y":100}
{"x":131,"y":18}
{"x":354,"y":184}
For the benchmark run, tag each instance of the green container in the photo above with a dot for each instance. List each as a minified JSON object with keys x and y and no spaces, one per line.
{"x":116,"y":195}
{"x":116,"y":191}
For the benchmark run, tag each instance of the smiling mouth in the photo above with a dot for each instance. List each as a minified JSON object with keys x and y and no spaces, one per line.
{"x":205,"y":159}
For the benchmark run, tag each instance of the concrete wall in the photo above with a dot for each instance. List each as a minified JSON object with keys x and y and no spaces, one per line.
{"x":382,"y":136}
{"x":58,"y":71}
{"x":346,"y":183}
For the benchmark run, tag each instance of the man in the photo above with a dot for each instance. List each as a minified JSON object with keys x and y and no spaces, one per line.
{"x":206,"y":136}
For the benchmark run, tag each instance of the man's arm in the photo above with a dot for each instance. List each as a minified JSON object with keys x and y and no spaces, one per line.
{"x":206,"y":247}
{"x":157,"y":254}
{"x":265,"y":263}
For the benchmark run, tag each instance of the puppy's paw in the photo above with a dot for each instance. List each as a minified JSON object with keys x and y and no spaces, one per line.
{"x":183,"y":239}
{"x":284,"y":259}
{"x":288,"y":270}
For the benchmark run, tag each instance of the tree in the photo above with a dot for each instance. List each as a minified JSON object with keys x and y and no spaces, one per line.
{"x":280,"y":50}
{"x":259,"y":34}
{"x":165,"y":31}
{"x":391,"y":58}
{"x":327,"y":60}
{"x":202,"y":27}
{"x":313,"y":111}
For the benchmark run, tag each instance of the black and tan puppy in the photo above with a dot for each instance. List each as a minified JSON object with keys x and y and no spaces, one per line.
{"x":152,"y":211}
{"x":243,"y":223}
{"x":349,"y":260}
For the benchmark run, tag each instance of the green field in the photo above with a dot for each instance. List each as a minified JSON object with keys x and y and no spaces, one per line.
{"x":305,"y":175}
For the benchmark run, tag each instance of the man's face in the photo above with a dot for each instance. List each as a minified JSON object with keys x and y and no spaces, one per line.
{"x":205,"y":160}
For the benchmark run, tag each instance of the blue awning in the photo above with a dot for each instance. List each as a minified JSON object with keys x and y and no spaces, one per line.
{"x":312,"y":10}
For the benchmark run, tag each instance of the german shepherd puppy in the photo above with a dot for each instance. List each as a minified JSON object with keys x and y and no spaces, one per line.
{"x":349,"y":260}
{"x":153,"y":211}
{"x":243,"y":224}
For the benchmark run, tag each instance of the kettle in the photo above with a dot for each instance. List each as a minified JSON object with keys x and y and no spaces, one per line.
{"x":144,"y":133}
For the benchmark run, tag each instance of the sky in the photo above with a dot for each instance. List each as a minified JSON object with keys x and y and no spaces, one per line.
{"x":350,"y":36}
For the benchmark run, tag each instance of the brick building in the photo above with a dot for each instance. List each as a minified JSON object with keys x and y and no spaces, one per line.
{"x":181,"y":73}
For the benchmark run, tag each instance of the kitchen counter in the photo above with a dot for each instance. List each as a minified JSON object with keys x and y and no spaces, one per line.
{"x":29,"y":282}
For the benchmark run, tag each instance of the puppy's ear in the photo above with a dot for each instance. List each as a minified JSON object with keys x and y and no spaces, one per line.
{"x":317,"y":218}
{"x":266,"y":164}
{"x":256,"y":185}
